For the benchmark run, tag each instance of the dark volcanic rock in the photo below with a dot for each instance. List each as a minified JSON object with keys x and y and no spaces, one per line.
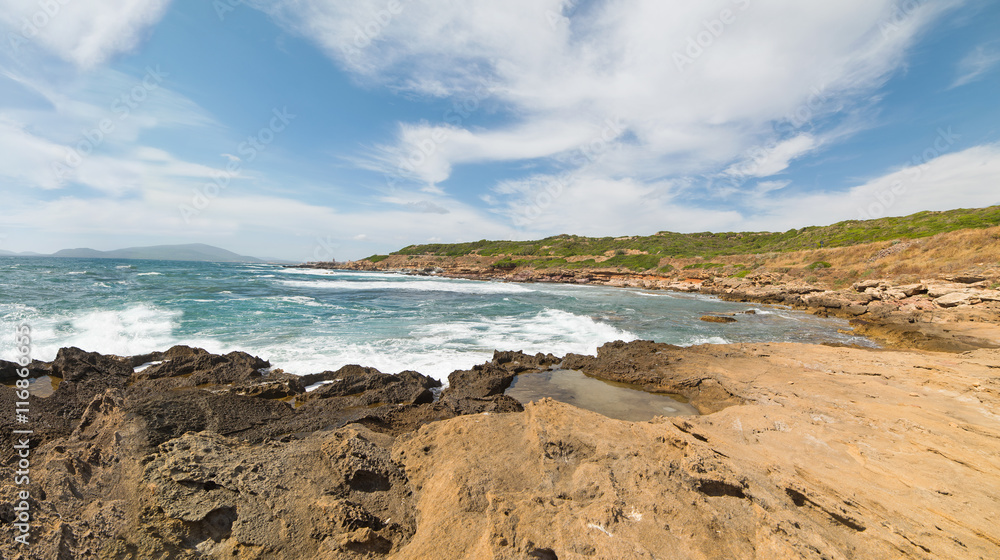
{"x":175,"y":413}
{"x":75,"y":365}
{"x":187,"y":367}
{"x":368,"y":386}
{"x":481,"y":388}
{"x":8,"y":370}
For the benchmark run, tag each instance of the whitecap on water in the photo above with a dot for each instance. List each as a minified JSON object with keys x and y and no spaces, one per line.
{"x":413,"y":286}
{"x":127,"y":332}
{"x":695,"y":341}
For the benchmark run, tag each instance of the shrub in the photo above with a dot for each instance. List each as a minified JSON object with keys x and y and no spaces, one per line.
{"x":818,"y":265}
{"x":377,"y":258}
{"x":505,"y":264}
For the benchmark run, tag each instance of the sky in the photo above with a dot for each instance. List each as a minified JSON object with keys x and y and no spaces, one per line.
{"x":326,"y":129}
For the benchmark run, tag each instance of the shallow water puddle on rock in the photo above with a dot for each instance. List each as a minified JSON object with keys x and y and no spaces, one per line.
{"x":42,"y":386}
{"x":615,"y":400}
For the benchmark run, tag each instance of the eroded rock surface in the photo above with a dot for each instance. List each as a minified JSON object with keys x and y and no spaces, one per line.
{"x":802,"y":451}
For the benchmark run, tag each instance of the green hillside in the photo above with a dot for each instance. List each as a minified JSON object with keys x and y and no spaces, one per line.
{"x":552,"y":251}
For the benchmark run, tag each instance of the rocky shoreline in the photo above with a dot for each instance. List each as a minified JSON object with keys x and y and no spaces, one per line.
{"x":801,"y":451}
{"x":949,"y":312}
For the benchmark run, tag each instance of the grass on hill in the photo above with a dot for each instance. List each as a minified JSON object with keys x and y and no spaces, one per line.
{"x":557,"y":251}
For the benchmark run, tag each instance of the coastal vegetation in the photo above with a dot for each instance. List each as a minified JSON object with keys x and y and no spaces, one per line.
{"x":645,"y":252}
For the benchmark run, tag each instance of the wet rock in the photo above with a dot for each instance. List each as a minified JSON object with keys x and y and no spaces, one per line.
{"x":496,"y":404}
{"x":9,"y":371}
{"x":368,"y":386}
{"x":271,"y":389}
{"x":717,"y":319}
{"x":190,"y":367}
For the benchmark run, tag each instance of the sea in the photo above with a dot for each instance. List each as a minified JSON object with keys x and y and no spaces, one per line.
{"x":309,"y":321}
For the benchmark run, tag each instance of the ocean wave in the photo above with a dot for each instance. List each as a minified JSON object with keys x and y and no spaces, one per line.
{"x":695,"y":341}
{"x":413,"y":286}
{"x":439,"y":349}
{"x":550,"y":330}
{"x":319,"y":353}
{"x":650,"y":294}
{"x":149,"y":274}
{"x":318,"y":272}
{"x":127,"y":332}
{"x":301,"y":300}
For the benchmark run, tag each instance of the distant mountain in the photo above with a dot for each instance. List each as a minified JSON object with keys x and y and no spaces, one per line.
{"x":189,"y":252}
{"x":24,"y":254}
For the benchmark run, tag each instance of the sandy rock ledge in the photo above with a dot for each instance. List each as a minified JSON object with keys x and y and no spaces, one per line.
{"x":811,"y":452}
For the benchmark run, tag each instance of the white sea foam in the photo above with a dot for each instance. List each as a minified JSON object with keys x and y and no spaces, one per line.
{"x":550,"y":330}
{"x":301,"y":300}
{"x":694,"y":341}
{"x":322,"y":272}
{"x":149,"y":274}
{"x":438,"y":349}
{"x":315,"y":386}
{"x":650,"y":294}
{"x":414,"y":286}
{"x":76,"y":272}
{"x":136,"y":330}
{"x":124,"y":266}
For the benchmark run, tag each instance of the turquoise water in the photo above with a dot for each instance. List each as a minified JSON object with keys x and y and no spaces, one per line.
{"x":307,"y":321}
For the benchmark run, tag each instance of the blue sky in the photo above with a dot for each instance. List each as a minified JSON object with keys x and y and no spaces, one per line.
{"x":314,"y":129}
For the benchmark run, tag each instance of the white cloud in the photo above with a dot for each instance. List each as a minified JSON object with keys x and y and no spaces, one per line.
{"x":25,"y":159}
{"x":759,"y":63}
{"x":976,"y":64}
{"x":428,"y":153}
{"x":764,"y":187}
{"x":965,"y":179}
{"x":588,"y":205}
{"x":771,"y":160}
{"x":84,"y":33}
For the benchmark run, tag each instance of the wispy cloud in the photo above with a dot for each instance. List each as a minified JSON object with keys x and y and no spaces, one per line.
{"x":977,"y":63}
{"x":84,"y":33}
{"x":556,"y":76}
